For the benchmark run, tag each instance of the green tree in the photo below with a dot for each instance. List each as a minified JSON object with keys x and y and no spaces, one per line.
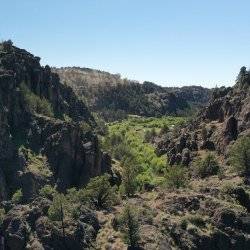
{"x":129,"y":174}
{"x":129,"y":225}
{"x":35,"y":103}
{"x":149,"y":135}
{"x":206,"y":167}
{"x":58,"y":209}
{"x":17,"y":196}
{"x":176,"y":177}
{"x":99,"y":192}
{"x":47,"y":191}
{"x":239,"y":155}
{"x":164,"y":129}
{"x":242,"y":75}
{"x":121,"y":151}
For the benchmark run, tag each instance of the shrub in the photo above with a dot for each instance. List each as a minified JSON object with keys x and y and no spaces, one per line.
{"x":176,"y":177}
{"x":115,"y":139}
{"x":147,"y":215}
{"x":7,"y":45}
{"x":84,"y":126}
{"x":204,"y":133}
{"x":239,"y":155}
{"x":121,"y":151}
{"x":144,"y":180}
{"x":35,"y":103}
{"x":194,"y":219}
{"x":44,"y":107}
{"x":58,"y":208}
{"x":101,"y":127}
{"x":164,"y":129}
{"x":206,"y":167}
{"x":17,"y":196}
{"x":149,"y":135}
{"x":184,"y":223}
{"x":67,"y":118}
{"x":129,"y":174}
{"x":47,"y":191}
{"x":129,"y":225}
{"x":36,"y":163}
{"x":159,"y":165}
{"x":99,"y":192}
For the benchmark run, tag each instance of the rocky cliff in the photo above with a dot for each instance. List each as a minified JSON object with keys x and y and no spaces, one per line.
{"x":43,"y":125}
{"x":217,"y":126}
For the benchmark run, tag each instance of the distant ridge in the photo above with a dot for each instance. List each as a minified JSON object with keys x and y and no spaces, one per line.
{"x":105,"y":93}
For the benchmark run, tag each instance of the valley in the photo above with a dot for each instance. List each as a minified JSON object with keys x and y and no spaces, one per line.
{"x":133,"y":140}
{"x":114,"y":97}
{"x":126,"y":165}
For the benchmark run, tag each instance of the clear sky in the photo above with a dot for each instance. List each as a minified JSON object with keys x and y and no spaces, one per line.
{"x":169,"y":42}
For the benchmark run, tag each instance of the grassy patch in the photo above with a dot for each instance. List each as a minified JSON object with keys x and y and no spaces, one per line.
{"x":35,"y":103}
{"x":17,"y":196}
{"x":36,"y":163}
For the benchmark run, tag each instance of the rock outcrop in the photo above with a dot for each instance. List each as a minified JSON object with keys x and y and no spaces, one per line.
{"x":40,"y":114}
{"x":218,"y":125}
{"x":28,"y":227}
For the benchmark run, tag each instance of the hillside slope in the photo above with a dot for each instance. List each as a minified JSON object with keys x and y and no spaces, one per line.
{"x":105,"y":93}
{"x":49,"y":154}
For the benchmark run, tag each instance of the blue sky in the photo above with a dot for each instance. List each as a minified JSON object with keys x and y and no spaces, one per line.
{"x":177,"y":42}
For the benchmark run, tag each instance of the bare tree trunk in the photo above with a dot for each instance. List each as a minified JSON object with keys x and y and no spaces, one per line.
{"x":62,"y":220}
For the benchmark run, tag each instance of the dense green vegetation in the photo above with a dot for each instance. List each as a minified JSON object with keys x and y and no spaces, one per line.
{"x":206,"y":167}
{"x":99,"y":192}
{"x":240,"y":155}
{"x":128,"y":142}
{"x":114,"y":98}
{"x":35,"y":103}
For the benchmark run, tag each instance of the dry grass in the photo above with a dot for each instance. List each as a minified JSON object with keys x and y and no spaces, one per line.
{"x":108,"y":238}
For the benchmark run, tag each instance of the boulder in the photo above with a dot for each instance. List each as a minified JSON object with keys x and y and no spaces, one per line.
{"x":186,"y":158}
{"x":91,"y":219}
{"x":225,"y":218}
{"x":231,"y":129}
{"x":209,"y":145}
{"x":15,"y":233}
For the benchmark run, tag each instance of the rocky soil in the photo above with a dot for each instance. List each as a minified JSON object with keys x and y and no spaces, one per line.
{"x":202,"y":216}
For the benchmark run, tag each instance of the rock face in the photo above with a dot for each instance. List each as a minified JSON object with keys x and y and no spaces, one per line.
{"x":41,"y":114}
{"x":107,"y":94}
{"x":215,"y":127}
